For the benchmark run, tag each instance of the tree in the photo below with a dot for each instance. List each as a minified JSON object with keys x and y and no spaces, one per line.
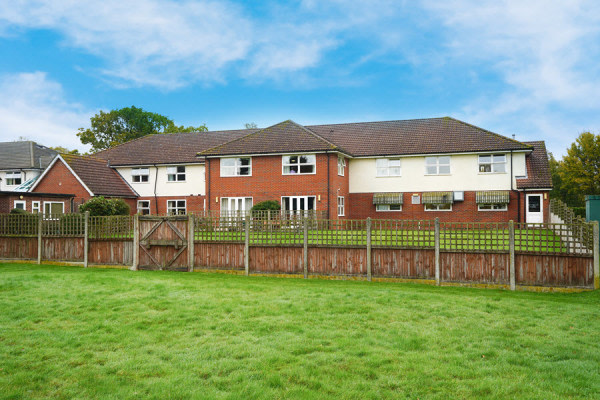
{"x":578,"y":174}
{"x":64,"y":150}
{"x":99,"y":206}
{"x":111,"y":128}
{"x":250,"y":125}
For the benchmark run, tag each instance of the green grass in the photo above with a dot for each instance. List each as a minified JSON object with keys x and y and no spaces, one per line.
{"x":68,"y":332}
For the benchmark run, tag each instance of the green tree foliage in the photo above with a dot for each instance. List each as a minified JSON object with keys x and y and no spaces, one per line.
{"x":267,"y":205}
{"x":250,"y":125}
{"x":111,"y":128}
{"x":99,"y":206}
{"x":578,"y":173}
{"x":64,"y":150}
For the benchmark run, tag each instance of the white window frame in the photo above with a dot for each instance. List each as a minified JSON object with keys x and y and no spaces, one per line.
{"x":285,"y":162}
{"x":492,"y":163}
{"x":141,"y":174}
{"x":175,"y":210}
{"x":388,"y":167}
{"x":499,"y":207}
{"x":437,"y":165}
{"x":388,"y":207}
{"x":175,"y":173}
{"x":341,"y":206}
{"x":21,"y":202}
{"x":236,"y":168}
{"x":141,"y":207}
{"x":54,"y":202}
{"x":438,"y":207}
{"x":12,"y":175}
{"x":36,"y":207}
{"x":341,"y":166}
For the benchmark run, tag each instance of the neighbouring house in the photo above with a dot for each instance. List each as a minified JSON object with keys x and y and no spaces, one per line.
{"x":83,"y":177}
{"x":35,"y":202}
{"x":21,"y":163}
{"x":165,"y":171}
{"x":411,"y":169}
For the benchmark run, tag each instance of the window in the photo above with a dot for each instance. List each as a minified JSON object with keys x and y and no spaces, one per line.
{"x":13,"y":178}
{"x":304,"y":164}
{"x":388,"y":167}
{"x":176,"y":174}
{"x":437,"y":165}
{"x":341,"y":165}
{"x":53,"y":207}
{"x":20,"y":204}
{"x":235,"y":206}
{"x":140,"y":175}
{"x":493,"y":163}
{"x":143,"y":207}
{"x":236,"y":166}
{"x":438,"y":207}
{"x":492,"y":207}
{"x":176,"y":207}
{"x":340,"y":205}
{"x":35,"y":207}
{"x":388,"y":207}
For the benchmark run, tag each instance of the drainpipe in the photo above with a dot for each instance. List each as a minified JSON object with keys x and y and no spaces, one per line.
{"x":155,"y":195}
{"x":328,"y":183}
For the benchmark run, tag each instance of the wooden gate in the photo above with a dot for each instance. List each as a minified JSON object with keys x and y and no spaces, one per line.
{"x":163,"y":243}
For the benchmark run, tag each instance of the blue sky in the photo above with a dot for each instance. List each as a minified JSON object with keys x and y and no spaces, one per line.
{"x":526,"y":68}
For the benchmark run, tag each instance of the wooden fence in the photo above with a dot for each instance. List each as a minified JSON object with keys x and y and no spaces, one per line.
{"x":510,"y":254}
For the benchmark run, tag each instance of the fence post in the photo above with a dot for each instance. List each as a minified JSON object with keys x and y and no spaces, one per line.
{"x":40,"y":228}
{"x":86,"y":242}
{"x":136,"y":242}
{"x":369,"y":277}
{"x":436,"y":238}
{"x":596,"y":255}
{"x":511,"y":255}
{"x":191,"y":237}
{"x":247,"y":245}
{"x":305,"y":254}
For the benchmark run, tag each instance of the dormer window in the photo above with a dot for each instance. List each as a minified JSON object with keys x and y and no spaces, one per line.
{"x":13,"y":178}
{"x":299,"y":164}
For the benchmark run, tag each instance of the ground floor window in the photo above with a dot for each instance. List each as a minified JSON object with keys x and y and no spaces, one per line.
{"x":20,"y":204}
{"x":438,"y":207}
{"x":143,"y":207}
{"x":235,"y":205}
{"x":35,"y":207}
{"x":388,"y":207}
{"x":341,"y":206}
{"x":297,"y":205}
{"x":492,"y":207}
{"x":176,"y":207}
{"x":54,"y":207}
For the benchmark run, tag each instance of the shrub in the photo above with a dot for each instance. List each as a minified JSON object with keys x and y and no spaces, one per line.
{"x":579,"y":211}
{"x":99,"y":206}
{"x":19,"y":211}
{"x":267,"y":205}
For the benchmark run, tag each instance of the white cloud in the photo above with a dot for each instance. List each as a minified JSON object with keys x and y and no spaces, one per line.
{"x":34,"y":107}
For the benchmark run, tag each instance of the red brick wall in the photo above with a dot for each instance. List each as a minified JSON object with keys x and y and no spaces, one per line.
{"x":268,"y":182}
{"x":60,"y":180}
{"x":361,"y":206}
{"x":194,"y":204}
{"x":7,"y":202}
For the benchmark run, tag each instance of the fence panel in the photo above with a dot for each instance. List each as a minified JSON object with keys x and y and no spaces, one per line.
{"x":112,"y":227}
{"x":21,"y":225}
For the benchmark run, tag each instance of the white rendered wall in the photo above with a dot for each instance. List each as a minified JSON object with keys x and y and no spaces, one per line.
{"x":464,"y":176}
{"x":193,"y":185}
{"x":25,"y":176}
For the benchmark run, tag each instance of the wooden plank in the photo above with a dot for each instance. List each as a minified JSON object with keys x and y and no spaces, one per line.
{"x":551,"y":270}
{"x":24,"y":248}
{"x":404,"y":263}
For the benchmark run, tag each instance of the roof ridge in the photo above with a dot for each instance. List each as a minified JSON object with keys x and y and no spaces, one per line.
{"x":314,"y":134}
{"x":487,"y":131}
{"x":232,"y":141}
{"x":131,"y":141}
{"x":376,"y":122}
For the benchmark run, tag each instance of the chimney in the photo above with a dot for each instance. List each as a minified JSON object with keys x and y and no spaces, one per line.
{"x":513,"y":136}
{"x":31,"y":154}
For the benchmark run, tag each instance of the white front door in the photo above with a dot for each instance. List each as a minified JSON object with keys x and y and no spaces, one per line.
{"x":235,"y":205}
{"x":297,"y":205}
{"x":534,"y":209}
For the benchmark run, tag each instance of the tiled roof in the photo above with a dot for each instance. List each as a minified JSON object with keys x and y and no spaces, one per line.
{"x":538,"y":169}
{"x":168,"y":148}
{"x":417,"y":136}
{"x":98,"y":177}
{"x":284,"y":137}
{"x":18,"y":155}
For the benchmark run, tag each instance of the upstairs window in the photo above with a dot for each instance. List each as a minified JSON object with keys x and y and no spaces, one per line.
{"x":13,"y":178}
{"x":176,"y":174}
{"x":492,"y":163}
{"x":300,"y":164}
{"x":341,"y":165}
{"x":437,"y":165}
{"x":236,"y":166}
{"x":388,"y":167}
{"x":140,"y":175}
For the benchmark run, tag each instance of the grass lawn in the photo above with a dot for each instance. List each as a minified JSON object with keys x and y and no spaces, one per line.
{"x":67,"y":332}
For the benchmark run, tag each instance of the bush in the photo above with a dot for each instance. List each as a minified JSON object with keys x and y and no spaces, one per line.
{"x":19,"y":211}
{"x":99,"y":206}
{"x":579,"y":211}
{"x":267,"y":205}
